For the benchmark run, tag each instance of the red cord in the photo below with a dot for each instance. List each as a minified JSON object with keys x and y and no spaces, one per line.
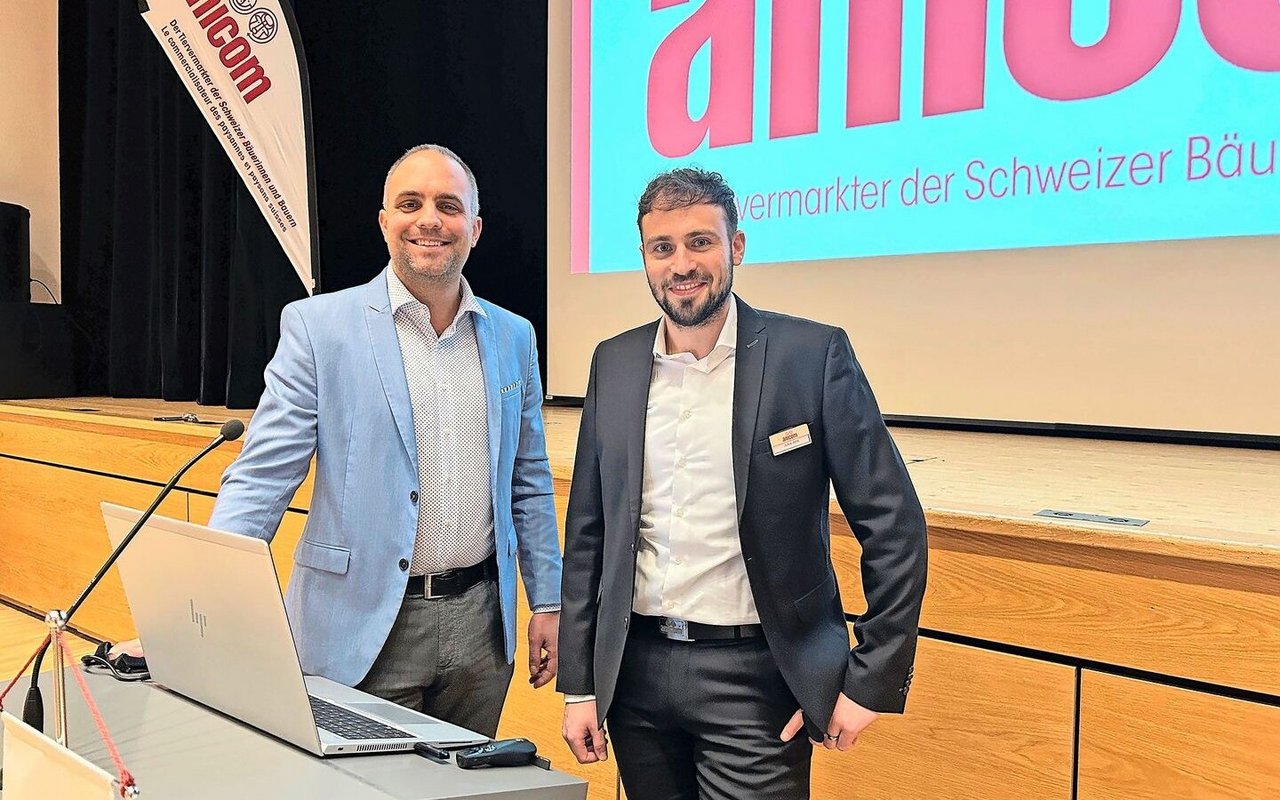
{"x":126,"y":778}
{"x":18,"y":677}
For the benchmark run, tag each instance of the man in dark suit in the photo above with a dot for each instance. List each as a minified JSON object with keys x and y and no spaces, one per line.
{"x":701,"y":615}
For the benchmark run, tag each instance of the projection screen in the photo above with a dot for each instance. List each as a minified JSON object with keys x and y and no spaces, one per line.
{"x":1043,"y":212}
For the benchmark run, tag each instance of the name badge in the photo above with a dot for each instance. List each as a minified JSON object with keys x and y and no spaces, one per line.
{"x":790,"y":439}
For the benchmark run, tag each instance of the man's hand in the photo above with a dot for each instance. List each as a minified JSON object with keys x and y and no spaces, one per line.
{"x":129,"y":647}
{"x":544,"y":632}
{"x":848,"y":720}
{"x":584,"y":737}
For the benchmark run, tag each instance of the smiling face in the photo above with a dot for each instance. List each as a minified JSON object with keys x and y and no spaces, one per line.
{"x":689,"y":257}
{"x":426,"y":219}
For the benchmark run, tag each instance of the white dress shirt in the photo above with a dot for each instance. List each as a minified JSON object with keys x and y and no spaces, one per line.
{"x":450,"y":424}
{"x":689,"y":559}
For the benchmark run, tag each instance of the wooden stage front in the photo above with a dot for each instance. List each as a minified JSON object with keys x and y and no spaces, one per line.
{"x":1058,"y":659}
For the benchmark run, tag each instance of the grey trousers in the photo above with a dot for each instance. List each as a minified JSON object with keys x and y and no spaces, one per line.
{"x":445,"y":657}
{"x":697,"y":720}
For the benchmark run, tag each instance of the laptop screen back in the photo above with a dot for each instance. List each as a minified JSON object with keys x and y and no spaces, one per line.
{"x":212,"y":621}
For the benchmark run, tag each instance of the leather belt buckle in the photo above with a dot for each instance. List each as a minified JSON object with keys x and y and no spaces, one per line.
{"x":675,"y":629}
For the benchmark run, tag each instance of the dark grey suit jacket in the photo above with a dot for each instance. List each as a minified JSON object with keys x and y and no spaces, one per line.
{"x":789,"y":371}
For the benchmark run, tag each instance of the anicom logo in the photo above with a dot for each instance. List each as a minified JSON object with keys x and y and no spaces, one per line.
{"x":234,"y":51}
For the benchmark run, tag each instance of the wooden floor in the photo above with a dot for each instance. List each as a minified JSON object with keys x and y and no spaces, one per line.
{"x":132,"y":409}
{"x":1190,"y":494}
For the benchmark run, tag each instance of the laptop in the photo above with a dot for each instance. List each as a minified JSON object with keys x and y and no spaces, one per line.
{"x":212,"y":621}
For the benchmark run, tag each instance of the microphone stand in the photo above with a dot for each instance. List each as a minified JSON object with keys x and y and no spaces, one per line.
{"x":33,"y":709}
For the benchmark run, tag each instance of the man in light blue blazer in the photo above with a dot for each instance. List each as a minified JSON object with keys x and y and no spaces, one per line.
{"x":422,"y":406}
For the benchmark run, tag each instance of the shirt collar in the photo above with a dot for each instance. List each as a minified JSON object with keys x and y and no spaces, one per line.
{"x":399,"y":296}
{"x":726,"y":343}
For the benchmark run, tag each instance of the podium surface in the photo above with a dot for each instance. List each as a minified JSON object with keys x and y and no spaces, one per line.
{"x":177,"y":748}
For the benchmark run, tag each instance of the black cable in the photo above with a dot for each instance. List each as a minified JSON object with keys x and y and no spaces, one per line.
{"x":33,"y":704}
{"x":35,"y":665}
{"x":95,"y":664}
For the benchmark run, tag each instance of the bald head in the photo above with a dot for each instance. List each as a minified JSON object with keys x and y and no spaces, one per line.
{"x":447,"y":153}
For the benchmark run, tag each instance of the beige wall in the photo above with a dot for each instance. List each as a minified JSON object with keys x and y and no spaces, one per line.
{"x":1163,"y":335}
{"x":29,"y":129}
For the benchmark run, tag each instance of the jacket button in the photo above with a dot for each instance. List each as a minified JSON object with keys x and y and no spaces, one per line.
{"x":404,"y":564}
{"x":413,"y":497}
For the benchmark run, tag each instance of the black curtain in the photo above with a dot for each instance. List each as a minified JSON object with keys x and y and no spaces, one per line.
{"x":167,"y":263}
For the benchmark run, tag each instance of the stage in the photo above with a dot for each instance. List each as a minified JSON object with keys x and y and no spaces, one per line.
{"x":1059,"y":657}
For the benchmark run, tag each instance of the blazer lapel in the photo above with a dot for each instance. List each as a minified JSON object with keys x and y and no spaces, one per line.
{"x":633,"y":402}
{"x":747,"y":381}
{"x":386,"y":354}
{"x":489,"y":347}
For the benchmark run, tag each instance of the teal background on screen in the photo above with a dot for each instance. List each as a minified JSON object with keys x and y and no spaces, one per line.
{"x":1191,"y":92}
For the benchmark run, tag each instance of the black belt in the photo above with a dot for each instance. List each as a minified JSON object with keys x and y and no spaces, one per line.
{"x":686,"y":631}
{"x":451,"y":581}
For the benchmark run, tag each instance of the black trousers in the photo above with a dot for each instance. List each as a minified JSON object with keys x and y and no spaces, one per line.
{"x":700,"y":721}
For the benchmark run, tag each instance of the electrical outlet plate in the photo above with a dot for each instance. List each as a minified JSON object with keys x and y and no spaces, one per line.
{"x":1078,"y":516}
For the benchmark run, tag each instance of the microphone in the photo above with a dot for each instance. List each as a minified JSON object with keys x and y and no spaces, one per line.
{"x":33,"y":708}
{"x":231,"y":430}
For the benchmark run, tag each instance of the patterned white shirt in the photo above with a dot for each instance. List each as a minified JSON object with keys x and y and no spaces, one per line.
{"x":689,"y":562}
{"x":450,"y":424}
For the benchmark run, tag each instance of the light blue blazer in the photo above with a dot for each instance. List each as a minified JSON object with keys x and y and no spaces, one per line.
{"x":336,"y":388}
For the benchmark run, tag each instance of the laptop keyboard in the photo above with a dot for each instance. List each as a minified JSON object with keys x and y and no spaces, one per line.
{"x":350,"y":725}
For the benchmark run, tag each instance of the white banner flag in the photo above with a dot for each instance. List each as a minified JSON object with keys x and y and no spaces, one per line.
{"x":38,"y":768}
{"x":244,"y":67}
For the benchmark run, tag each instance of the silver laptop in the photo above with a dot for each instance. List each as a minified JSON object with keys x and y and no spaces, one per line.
{"x":212,"y":622}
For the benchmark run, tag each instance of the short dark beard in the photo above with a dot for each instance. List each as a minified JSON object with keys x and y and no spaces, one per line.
{"x":685,"y":315}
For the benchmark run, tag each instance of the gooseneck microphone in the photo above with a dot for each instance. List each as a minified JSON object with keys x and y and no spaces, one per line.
{"x":33,"y":708}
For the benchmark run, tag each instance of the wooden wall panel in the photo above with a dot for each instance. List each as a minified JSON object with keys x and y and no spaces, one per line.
{"x":150,"y":451}
{"x":20,"y":635}
{"x":1208,"y":621}
{"x":1146,"y":741}
{"x":978,"y":724}
{"x":54,"y":540}
{"x":128,"y":448}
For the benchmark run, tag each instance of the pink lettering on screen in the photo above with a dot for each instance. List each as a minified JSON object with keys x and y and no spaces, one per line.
{"x":1041,"y":54}
{"x":875,"y":62}
{"x":793,"y":67}
{"x":729,"y":25}
{"x":1046,"y":61}
{"x":955,"y":56}
{"x":1244,"y":32}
